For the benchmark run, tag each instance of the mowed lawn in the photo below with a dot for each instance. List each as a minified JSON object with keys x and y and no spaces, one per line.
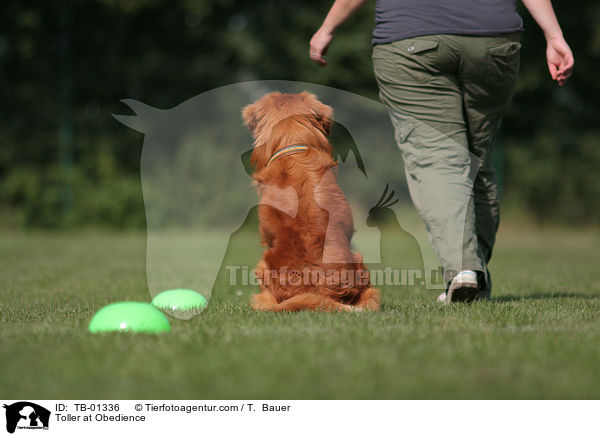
{"x":539,"y":337}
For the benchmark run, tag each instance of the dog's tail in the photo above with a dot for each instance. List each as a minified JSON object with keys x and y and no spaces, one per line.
{"x":369,"y":300}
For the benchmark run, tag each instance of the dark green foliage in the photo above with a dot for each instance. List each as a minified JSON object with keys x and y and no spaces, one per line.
{"x":551,"y":136}
{"x":64,"y":161}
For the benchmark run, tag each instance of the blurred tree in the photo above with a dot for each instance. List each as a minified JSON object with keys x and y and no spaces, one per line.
{"x":164,"y":52}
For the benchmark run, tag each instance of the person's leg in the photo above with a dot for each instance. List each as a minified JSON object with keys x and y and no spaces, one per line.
{"x":487,"y":75}
{"x":418,"y":83}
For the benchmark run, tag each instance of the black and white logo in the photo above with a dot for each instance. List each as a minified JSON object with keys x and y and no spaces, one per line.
{"x":26,"y":415}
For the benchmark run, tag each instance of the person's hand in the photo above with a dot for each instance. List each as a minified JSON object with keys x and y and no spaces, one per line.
{"x":560,"y":59}
{"x":318,"y":46}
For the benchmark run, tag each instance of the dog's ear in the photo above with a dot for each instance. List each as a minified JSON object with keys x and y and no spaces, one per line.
{"x":325,"y":116}
{"x":250,"y":117}
{"x":322,"y":112}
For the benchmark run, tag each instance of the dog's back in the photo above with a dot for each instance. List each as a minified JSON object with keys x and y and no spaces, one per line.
{"x":305,"y":221}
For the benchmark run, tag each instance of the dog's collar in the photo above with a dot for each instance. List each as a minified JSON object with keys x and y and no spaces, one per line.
{"x":287,"y":150}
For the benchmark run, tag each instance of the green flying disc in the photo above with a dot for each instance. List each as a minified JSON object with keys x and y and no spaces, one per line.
{"x":180,"y":303}
{"x":129,"y":316}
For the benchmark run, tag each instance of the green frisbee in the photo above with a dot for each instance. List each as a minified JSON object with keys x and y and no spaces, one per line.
{"x":180,"y":303}
{"x":129,"y":316}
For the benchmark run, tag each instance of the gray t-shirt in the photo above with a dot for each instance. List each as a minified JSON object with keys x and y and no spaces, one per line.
{"x":400,"y":19}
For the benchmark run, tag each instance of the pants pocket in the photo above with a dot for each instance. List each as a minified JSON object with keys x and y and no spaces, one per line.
{"x":410,"y":154}
{"x":415,"y":47}
{"x":504,"y":50}
{"x":504,"y":59}
{"x":409,"y":60}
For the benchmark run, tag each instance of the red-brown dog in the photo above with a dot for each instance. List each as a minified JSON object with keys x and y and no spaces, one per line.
{"x":305,"y":221}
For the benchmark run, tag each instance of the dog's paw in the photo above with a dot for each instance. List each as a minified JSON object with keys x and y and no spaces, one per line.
{"x":350,"y":308}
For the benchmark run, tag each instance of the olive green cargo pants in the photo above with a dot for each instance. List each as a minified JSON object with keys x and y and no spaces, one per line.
{"x":446,"y":95}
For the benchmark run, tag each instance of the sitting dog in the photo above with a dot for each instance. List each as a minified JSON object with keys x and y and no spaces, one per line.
{"x":305,"y":221}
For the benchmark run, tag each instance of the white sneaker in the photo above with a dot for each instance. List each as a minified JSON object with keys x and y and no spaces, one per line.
{"x":463,"y":288}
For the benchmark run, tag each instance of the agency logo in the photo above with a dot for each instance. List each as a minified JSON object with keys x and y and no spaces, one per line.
{"x":26,"y":415}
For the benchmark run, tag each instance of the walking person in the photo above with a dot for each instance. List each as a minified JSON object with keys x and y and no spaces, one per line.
{"x":446,"y":72}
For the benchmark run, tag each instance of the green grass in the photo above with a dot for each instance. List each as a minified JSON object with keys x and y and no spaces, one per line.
{"x":539,"y":337}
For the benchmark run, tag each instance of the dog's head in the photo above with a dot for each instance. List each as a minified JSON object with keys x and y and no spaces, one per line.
{"x":278,"y":119}
{"x":266,"y":113}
